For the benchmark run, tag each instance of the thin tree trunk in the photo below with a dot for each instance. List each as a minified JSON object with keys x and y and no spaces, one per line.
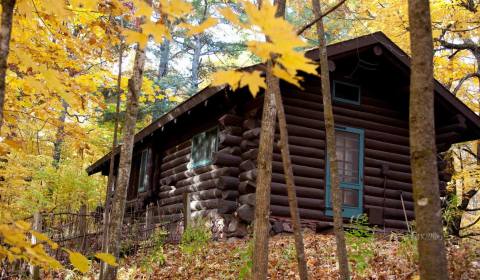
{"x":5,"y":34}
{"x":111,"y":171}
{"x":60,"y":136}
{"x":331,"y":149}
{"x":196,"y":61}
{"x":428,"y":214}
{"x":164,"y":58}
{"x":264,"y":165}
{"x":120,"y":196}
{"x":289,"y":177}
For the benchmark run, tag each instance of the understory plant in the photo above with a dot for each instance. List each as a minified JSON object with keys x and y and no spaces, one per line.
{"x":360,"y":240}
{"x":195,"y":238}
{"x":245,"y":261}
{"x":156,"y":256}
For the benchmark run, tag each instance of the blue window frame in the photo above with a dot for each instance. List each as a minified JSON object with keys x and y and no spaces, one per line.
{"x":349,"y":151}
{"x":143,"y":178}
{"x":204,"y":146}
{"x":346,"y":92}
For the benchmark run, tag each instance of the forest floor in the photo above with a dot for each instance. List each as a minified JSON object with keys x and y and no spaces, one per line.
{"x":379,"y":257}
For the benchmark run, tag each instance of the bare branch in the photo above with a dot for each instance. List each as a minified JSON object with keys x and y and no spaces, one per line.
{"x":464,"y":79}
{"x":310,"y":24}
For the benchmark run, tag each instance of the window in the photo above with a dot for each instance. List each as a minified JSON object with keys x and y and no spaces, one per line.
{"x":204,"y":145}
{"x":345,"y":92}
{"x":143,"y":176}
{"x":349,"y":152}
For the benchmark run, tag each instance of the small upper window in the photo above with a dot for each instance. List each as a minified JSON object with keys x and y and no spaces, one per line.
{"x":204,"y":145}
{"x":345,"y":92}
{"x":143,"y":177}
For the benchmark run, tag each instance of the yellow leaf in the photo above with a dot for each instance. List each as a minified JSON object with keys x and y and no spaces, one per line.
{"x":143,"y":9}
{"x":232,"y":17}
{"x":107,"y":258}
{"x":197,"y":29}
{"x":284,"y":75}
{"x":22,"y":225}
{"x":157,"y":30}
{"x":132,"y":37}
{"x":78,"y":261}
{"x":237,"y":79}
{"x":175,"y":8}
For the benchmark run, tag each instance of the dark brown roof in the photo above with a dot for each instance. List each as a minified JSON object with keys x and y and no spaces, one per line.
{"x":333,"y":50}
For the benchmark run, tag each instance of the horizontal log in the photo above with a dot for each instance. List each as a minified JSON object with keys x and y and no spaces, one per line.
{"x":246,"y":144}
{"x":206,"y":194}
{"x":246,"y":187}
{"x":302,"y":160}
{"x":203,"y":173}
{"x":251,"y":133}
{"x":388,"y":202}
{"x":204,"y":204}
{"x":304,"y":141}
{"x":229,"y":140}
{"x":391,"y":184}
{"x":281,"y":200}
{"x":281,"y":189}
{"x":246,"y":213}
{"x":177,"y":148}
{"x":247,"y":165}
{"x":391,"y":175}
{"x":284,"y":211}
{"x":393,"y":213}
{"x":251,"y":123}
{"x":230,"y":195}
{"x":174,"y":170}
{"x":230,"y":120}
{"x":233,"y":130}
{"x":248,"y":175}
{"x":397,"y":224}
{"x":250,"y":154}
{"x":299,"y":180}
{"x":172,"y":179}
{"x":296,"y":130}
{"x":218,"y":178}
{"x":386,"y":146}
{"x":371,"y":162}
{"x":383,"y":155}
{"x":182,"y":152}
{"x":170,"y":200}
{"x":395,"y":194}
{"x":233,"y":150}
{"x":164,"y":188}
{"x":227,"y":206}
{"x":381,"y":135}
{"x":171,"y":209}
{"x":224,"y":159}
{"x":299,"y":170}
{"x":166,"y":165}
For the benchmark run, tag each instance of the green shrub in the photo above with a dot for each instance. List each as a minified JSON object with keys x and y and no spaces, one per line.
{"x":408,"y":247}
{"x":245,"y":261}
{"x":360,"y":239}
{"x":195,"y":238}
{"x":156,"y":255}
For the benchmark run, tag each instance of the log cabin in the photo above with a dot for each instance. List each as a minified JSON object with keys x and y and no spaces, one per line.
{"x":207,"y":146}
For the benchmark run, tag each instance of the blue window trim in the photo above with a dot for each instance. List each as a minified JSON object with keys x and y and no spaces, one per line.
{"x":203,"y":162}
{"x":348,"y":211}
{"x":335,"y":82}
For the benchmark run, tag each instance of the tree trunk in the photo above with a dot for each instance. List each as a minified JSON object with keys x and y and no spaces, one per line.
{"x":428,"y":214}
{"x":111,"y":171}
{"x":164,"y":58}
{"x":264,"y":165}
{"x":5,"y":33}
{"x":59,"y":136}
{"x":196,"y":61}
{"x":120,"y":196}
{"x":331,"y":149}
{"x":289,"y":177}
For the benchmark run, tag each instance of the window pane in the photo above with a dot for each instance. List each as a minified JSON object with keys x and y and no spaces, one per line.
{"x":350,"y":197}
{"x":204,"y":145}
{"x":347,"y":145}
{"x":347,"y":92}
{"x":143,"y":178}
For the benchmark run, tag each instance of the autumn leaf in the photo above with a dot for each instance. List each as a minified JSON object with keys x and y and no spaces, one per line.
{"x":107,"y":258}
{"x":79,"y":261}
{"x":197,"y":29}
{"x":238,"y":79}
{"x":132,"y":37}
